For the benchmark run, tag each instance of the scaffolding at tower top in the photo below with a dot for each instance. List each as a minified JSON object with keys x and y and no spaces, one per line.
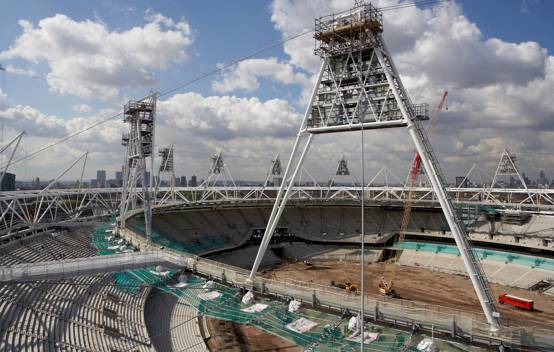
{"x":352,"y":29}
{"x":354,"y":92}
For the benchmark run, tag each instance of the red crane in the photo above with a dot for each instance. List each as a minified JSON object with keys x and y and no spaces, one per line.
{"x":386,"y":285}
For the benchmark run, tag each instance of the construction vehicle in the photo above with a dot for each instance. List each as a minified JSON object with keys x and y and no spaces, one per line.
{"x":518,"y":302}
{"x":347,"y":285}
{"x":385,"y":288}
{"x":386,"y":284}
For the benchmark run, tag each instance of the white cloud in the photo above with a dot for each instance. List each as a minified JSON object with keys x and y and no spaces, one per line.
{"x":37,"y":124}
{"x":82,"y":108}
{"x":244,"y":76}
{"x":87,"y":59}
{"x":228,"y":117}
{"x":245,"y":128}
{"x":293,"y":17}
{"x":452,"y":50}
{"x":22,"y":71}
{"x":33,"y":122}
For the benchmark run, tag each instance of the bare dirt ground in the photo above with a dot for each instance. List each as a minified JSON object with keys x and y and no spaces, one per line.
{"x":422,"y":285}
{"x":233,"y":337}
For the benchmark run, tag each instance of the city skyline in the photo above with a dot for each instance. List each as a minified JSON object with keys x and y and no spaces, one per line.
{"x":542,"y":181}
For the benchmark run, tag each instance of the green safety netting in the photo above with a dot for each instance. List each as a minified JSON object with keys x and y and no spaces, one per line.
{"x":328,"y":335}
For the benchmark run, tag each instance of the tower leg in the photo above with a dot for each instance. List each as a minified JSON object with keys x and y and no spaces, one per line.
{"x":283,"y":195}
{"x":432,"y":169}
{"x":281,"y":200}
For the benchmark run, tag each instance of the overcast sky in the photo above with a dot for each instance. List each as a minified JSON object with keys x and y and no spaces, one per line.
{"x":70,"y":64}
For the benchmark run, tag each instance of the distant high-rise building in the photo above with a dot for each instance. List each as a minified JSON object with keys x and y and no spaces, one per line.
{"x":542,"y":179}
{"x":101,"y":178}
{"x":183,"y":181}
{"x":461,"y":181}
{"x":119,"y":178}
{"x":37,"y":183}
{"x":93,"y":183}
{"x":192,"y":182}
{"x":8,"y":182}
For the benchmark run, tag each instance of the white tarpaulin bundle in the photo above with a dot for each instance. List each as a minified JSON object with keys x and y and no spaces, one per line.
{"x":354,"y":324}
{"x":160,"y":273}
{"x":248,"y":297}
{"x":209,"y":285}
{"x":179,"y":285}
{"x":301,"y":325}
{"x":208,"y":296}
{"x":294,"y":305}
{"x":256,"y":308}
{"x":369,"y":337}
{"x":427,"y":345}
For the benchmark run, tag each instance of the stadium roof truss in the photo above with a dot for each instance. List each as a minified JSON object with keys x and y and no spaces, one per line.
{"x":77,"y":206}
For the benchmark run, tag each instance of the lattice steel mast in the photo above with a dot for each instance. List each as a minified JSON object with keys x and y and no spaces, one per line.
{"x":138,"y":175}
{"x":16,"y":140}
{"x":166,"y":173}
{"x":358,"y":87}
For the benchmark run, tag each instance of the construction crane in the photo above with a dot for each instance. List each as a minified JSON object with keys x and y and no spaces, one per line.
{"x":386,"y":284}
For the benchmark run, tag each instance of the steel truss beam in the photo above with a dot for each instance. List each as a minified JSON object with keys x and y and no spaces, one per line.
{"x":20,"y":214}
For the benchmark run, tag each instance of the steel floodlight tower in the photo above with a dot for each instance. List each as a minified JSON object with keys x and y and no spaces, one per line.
{"x":342,"y":172}
{"x":166,"y":172}
{"x":218,"y":172}
{"x":507,"y":167}
{"x":218,"y":168}
{"x":16,"y":140}
{"x":359,"y":88}
{"x":342,"y":168}
{"x":140,"y":116}
{"x":274,"y":172}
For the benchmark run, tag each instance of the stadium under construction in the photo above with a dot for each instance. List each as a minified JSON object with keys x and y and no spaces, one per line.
{"x":376,"y":266}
